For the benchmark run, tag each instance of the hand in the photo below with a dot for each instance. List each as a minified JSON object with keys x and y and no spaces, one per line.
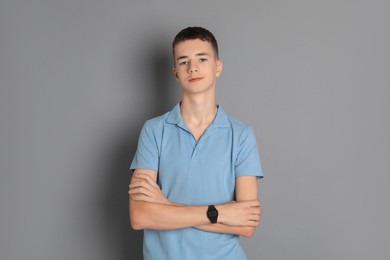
{"x":241,"y":213}
{"x":144,"y":188}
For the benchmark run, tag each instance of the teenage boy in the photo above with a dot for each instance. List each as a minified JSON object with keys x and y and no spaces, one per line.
{"x":194,"y":190}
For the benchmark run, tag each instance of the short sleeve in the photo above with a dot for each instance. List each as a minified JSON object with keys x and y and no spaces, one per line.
{"x":147,"y":154}
{"x":248,"y":161}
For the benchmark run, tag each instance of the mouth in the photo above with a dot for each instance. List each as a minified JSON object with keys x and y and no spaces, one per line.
{"x":195,"y":79}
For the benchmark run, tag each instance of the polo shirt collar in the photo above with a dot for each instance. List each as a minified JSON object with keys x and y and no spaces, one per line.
{"x":174,"y":117}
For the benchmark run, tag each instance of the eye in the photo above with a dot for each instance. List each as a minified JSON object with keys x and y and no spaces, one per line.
{"x":183,"y":63}
{"x":202,"y":59}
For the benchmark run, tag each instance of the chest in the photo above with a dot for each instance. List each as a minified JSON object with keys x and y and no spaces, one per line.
{"x":193,"y":171}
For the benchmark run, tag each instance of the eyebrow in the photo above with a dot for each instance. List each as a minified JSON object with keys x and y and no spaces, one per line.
{"x":198,"y":54}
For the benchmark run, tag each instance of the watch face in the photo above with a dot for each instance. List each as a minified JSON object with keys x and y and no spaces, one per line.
{"x":213,"y":213}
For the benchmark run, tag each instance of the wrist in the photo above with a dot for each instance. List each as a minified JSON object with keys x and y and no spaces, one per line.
{"x":221,"y":211}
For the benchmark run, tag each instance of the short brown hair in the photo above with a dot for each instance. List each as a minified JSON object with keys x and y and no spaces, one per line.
{"x":192,"y":33}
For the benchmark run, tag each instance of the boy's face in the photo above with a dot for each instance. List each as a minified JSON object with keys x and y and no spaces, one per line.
{"x":196,"y":66}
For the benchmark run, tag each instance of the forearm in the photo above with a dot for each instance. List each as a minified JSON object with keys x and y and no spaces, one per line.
{"x":149,"y":215}
{"x":246,"y":231}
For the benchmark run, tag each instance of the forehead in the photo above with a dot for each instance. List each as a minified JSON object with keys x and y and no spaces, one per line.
{"x":192,"y":47}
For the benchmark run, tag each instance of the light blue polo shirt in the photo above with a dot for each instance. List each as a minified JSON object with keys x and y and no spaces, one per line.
{"x":196,"y":173}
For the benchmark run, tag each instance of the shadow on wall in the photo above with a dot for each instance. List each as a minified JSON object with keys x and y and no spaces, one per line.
{"x":117,"y":176}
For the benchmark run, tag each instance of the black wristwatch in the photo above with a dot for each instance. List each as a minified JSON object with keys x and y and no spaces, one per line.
{"x":212,"y":214}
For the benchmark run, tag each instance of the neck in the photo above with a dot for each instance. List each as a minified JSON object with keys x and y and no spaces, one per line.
{"x":201,"y":111}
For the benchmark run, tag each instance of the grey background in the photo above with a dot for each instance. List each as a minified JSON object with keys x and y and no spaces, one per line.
{"x":79,"y":78}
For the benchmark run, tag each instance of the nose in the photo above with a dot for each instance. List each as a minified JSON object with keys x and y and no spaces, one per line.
{"x":193,"y":68}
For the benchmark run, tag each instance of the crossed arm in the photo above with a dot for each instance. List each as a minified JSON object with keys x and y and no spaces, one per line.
{"x":150,"y":209}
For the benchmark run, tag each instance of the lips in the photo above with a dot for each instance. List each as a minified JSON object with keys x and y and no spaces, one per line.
{"x":195,"y":79}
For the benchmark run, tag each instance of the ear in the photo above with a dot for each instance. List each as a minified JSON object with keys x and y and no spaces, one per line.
{"x":175,"y":73}
{"x":219,"y":68}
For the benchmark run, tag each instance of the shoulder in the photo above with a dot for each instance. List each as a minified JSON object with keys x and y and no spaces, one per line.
{"x":239,"y":128}
{"x":242,"y":133}
{"x":153,"y":127}
{"x":156,"y":122}
{"x":237,"y":124}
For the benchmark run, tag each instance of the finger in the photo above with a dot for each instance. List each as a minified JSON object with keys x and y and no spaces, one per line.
{"x":140,"y":183}
{"x":252,"y":223}
{"x":140,"y":197}
{"x":147,"y":178}
{"x":142,"y":176}
{"x":255,"y":211}
{"x":140,"y":190}
{"x":255,"y":203}
{"x":255,"y":218}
